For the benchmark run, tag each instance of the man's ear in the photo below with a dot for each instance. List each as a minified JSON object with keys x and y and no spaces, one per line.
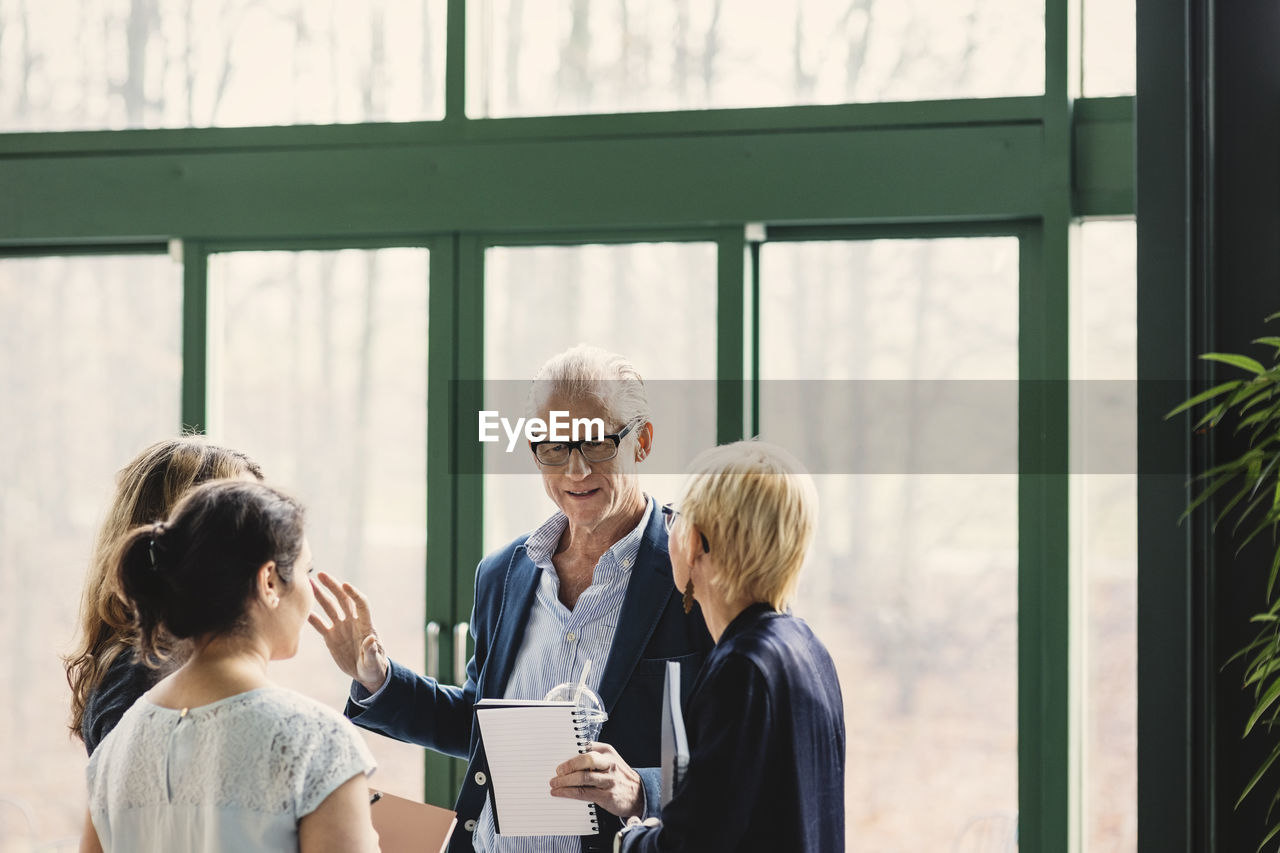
{"x":644,"y":440}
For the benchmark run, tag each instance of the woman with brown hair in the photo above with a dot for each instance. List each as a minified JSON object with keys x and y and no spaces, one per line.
{"x":104,"y":675}
{"x":216,"y":757}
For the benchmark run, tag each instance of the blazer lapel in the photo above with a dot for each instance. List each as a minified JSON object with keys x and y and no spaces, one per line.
{"x":517,"y":596}
{"x":648,"y":592}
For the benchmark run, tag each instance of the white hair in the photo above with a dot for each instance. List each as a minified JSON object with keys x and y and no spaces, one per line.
{"x":589,"y":372}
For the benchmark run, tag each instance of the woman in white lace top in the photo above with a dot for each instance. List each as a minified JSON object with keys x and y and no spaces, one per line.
{"x":215,"y":757}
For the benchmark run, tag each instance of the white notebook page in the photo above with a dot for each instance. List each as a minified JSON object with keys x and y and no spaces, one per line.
{"x":524,"y":745}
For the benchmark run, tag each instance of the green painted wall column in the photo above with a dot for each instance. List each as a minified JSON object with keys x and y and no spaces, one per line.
{"x":441,"y":774}
{"x":730,"y":364}
{"x":195,"y":337}
{"x":1048,"y":749}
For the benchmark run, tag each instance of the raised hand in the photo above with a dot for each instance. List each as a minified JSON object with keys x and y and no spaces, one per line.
{"x":349,"y":633}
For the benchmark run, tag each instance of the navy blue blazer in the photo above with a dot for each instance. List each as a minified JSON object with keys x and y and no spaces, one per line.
{"x":652,"y":629}
{"x":765,"y":724}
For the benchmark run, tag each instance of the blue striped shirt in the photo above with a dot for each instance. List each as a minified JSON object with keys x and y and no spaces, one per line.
{"x":557,"y":642}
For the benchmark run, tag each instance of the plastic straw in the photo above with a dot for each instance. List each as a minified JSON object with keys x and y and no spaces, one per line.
{"x":582,"y":682}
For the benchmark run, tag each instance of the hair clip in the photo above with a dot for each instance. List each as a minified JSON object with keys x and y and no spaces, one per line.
{"x":156,"y":530}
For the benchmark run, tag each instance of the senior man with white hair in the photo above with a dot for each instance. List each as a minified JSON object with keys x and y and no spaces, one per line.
{"x":593,"y":582}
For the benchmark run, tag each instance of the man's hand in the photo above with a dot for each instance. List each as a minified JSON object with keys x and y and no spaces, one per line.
{"x":349,"y":633}
{"x":601,"y":777}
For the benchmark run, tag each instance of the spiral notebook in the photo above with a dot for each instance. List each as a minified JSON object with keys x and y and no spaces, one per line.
{"x":524,"y":742}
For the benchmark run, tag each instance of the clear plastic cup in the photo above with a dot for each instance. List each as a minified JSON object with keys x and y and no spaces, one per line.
{"x":586,"y":701}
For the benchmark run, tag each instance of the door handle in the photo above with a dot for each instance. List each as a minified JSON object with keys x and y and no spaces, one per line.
{"x":433,"y":650}
{"x":460,"y":653}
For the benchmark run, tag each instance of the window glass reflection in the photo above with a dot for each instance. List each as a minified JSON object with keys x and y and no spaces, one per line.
{"x":319,"y":371}
{"x":90,"y":374}
{"x":887,"y":347}
{"x":582,"y":57}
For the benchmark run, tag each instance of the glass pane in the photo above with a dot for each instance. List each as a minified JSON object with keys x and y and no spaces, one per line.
{"x":871,"y":355}
{"x":1110,"y":63}
{"x":319,"y":371}
{"x":1104,"y":532}
{"x":98,"y":64}
{"x":652,"y":302}
{"x":90,"y":373}
{"x":583,"y":57}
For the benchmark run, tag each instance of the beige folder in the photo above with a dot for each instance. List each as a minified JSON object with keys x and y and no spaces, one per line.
{"x":406,"y":826}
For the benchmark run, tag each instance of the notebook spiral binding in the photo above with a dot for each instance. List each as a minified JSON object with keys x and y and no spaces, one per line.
{"x":580,"y":729}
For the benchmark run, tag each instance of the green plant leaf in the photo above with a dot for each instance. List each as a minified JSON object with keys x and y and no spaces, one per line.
{"x":1256,"y":681}
{"x":1259,"y":385}
{"x":1241,"y":361}
{"x":1262,"y":475}
{"x":1240,"y":495}
{"x":1271,"y":649}
{"x":1275,"y":563}
{"x":1270,"y":835}
{"x":1206,"y":395}
{"x":1271,"y":807}
{"x":1261,"y":639}
{"x":1268,"y":641}
{"x":1268,"y":340}
{"x":1257,"y":417}
{"x":1238,"y":464}
{"x":1269,"y":520}
{"x":1271,"y":317}
{"x":1207,"y":493}
{"x":1212,"y":417}
{"x":1266,"y":765}
{"x":1264,"y":702}
{"x":1263,"y":672}
{"x":1258,"y":501}
{"x":1258,"y":432}
{"x":1259,"y":399}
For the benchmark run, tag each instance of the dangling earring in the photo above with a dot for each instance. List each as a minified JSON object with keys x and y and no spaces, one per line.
{"x":688,"y":596}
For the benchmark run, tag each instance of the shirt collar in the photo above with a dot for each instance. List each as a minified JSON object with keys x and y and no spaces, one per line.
{"x":621,"y":556}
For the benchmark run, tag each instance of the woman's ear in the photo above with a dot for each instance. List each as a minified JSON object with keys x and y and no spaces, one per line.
{"x":269,"y":584}
{"x":691,"y":542}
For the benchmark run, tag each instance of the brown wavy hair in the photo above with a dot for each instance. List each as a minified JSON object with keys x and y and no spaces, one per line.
{"x":146,"y":491}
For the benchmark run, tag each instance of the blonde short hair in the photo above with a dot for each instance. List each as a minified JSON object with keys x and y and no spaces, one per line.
{"x":758,"y":507}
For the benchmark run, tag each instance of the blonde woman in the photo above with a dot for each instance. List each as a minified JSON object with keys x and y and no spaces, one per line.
{"x":765,"y":718}
{"x":104,"y":675}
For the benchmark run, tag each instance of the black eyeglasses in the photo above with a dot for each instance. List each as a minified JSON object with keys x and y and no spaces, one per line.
{"x":669,"y":513}
{"x":557,"y":452}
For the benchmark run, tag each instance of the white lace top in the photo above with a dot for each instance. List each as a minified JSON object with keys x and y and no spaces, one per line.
{"x":236,"y":774}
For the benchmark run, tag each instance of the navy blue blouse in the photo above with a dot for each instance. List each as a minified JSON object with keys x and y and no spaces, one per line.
{"x":765,"y":722}
{"x":124,"y":681}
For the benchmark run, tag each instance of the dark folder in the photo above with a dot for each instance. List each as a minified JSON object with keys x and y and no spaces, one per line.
{"x":675,"y":745}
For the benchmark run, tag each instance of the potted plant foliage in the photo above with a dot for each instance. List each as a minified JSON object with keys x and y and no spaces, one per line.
{"x":1248,"y":497}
